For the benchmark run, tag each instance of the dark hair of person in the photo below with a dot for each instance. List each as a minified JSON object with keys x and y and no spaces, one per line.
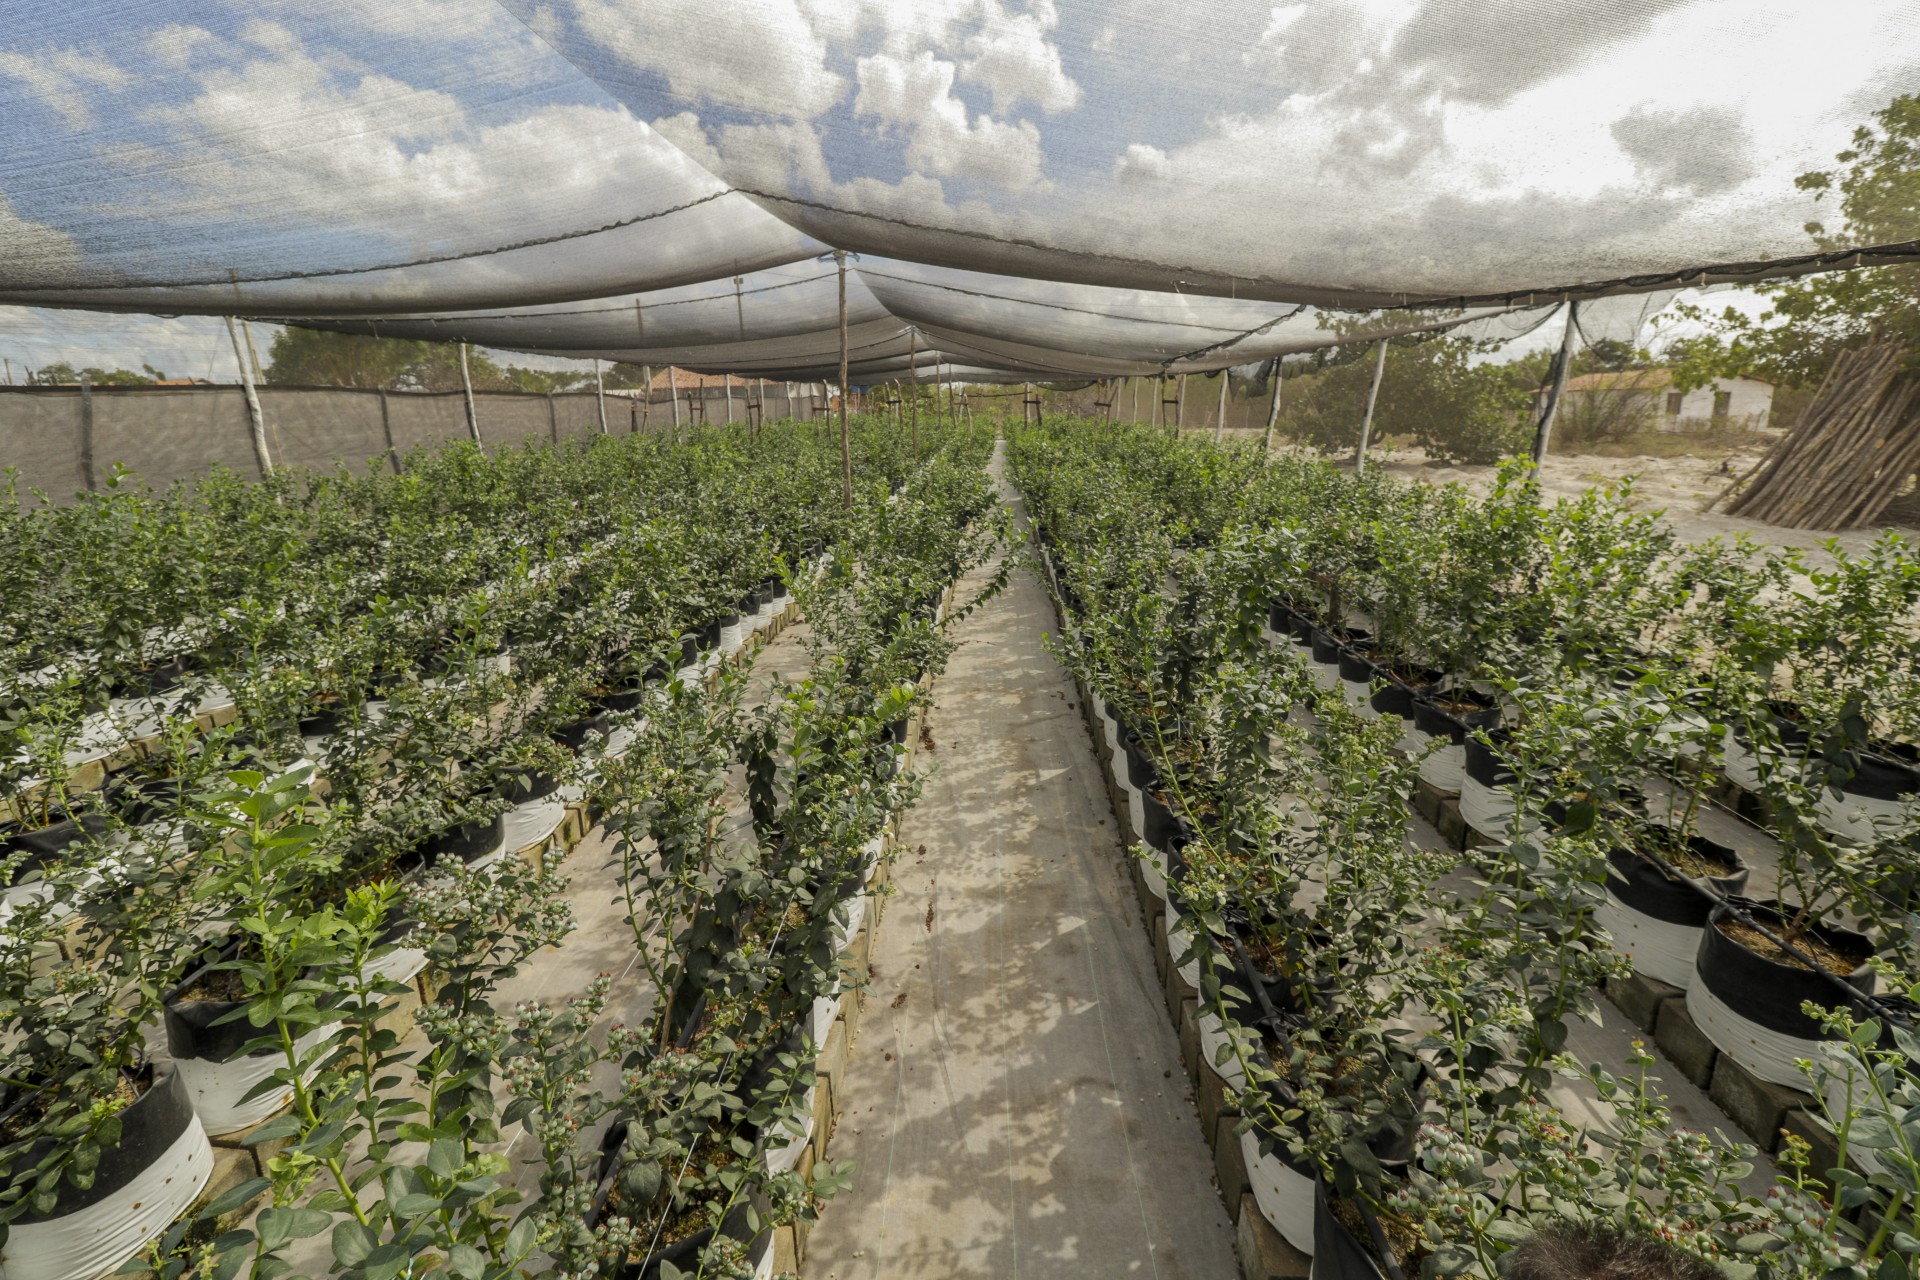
{"x":1585,"y":1251}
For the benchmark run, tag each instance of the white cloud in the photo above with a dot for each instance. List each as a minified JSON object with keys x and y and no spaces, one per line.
{"x":774,"y":64}
{"x":916,"y":94}
{"x":1143,"y":163}
{"x":27,"y":247}
{"x":684,"y":131}
{"x":65,"y":79}
{"x":1013,"y":59}
{"x":1107,"y":40}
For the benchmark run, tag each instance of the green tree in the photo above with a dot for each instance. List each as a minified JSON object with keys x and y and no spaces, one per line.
{"x":1876,"y":190}
{"x":1433,"y":393}
{"x":320,"y":358}
{"x":61,"y":373}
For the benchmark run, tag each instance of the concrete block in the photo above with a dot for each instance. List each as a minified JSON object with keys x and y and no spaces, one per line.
{"x":826,"y":1117}
{"x":1213,"y":1100}
{"x":1427,"y":801}
{"x":1640,"y":998}
{"x":1160,"y":958}
{"x":1177,"y":990}
{"x":256,"y":1154}
{"x":1264,"y":1253}
{"x":1188,"y":1025}
{"x":833,"y":1054}
{"x":1759,"y":1108}
{"x":230,"y":1168}
{"x":1684,"y":1044}
{"x":786,"y":1252}
{"x":1811,"y":1128}
{"x":1453,"y":828}
{"x":801,"y":1227}
{"x":1230,"y":1164}
{"x":853,"y":1009}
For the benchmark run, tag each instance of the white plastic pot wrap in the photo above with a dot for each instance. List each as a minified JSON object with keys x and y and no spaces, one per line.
{"x":219,"y":1089}
{"x":784,"y":1146}
{"x":825,"y":1010}
{"x":1153,"y":869}
{"x":1360,"y":695}
{"x":95,"y":1239}
{"x":1752,"y":1006}
{"x":1214,"y":1038}
{"x":533,"y":821}
{"x":1659,"y":949}
{"x":1445,"y":768}
{"x":1768,"y":1054}
{"x":1179,"y":941}
{"x":1284,"y":1195}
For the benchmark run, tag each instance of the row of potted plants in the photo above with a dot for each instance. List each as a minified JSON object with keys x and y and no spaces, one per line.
{"x":1391,"y":1021}
{"x":424,"y":669}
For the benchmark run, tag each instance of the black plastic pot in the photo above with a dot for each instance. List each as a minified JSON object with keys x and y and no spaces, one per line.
{"x":1287,"y":620}
{"x":574,"y":736}
{"x":203,"y":1028}
{"x":1140,"y":768}
{"x":323,"y":723}
{"x":1337,"y":1254}
{"x":523,"y":788}
{"x":149,"y":1125}
{"x":468,"y":842}
{"x":1395,"y":697}
{"x":1356,"y":666}
{"x":1878,"y":776}
{"x":67,"y":829}
{"x":1765,"y":991}
{"x":1453,"y":723}
{"x":145,"y":800}
{"x":625,"y":698}
{"x":1163,"y":826}
{"x":708,"y":636}
{"x":157,"y":678}
{"x":681,"y":1253}
{"x":1654,"y":890}
{"x":1327,"y":644}
{"x":690,"y":646}
{"x":1484,"y":765}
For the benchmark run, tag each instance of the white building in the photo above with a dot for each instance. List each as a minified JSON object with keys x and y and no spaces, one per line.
{"x":1727,"y":403}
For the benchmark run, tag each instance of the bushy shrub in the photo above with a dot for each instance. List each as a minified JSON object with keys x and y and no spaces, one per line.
{"x":1432,"y":393}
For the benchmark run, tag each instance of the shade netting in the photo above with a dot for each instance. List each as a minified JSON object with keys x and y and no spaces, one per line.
{"x":1024,"y":189}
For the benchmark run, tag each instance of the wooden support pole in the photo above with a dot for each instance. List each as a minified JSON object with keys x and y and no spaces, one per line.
{"x":466,"y":385}
{"x":673,"y":393}
{"x":253,"y":356}
{"x":88,"y":476}
{"x":1373,"y":396}
{"x":600,"y":395}
{"x":1180,"y":404}
{"x":1273,"y":410}
{"x":846,"y":448}
{"x":1543,"y":432}
{"x":729,"y":399}
{"x":255,"y":418}
{"x":646,"y":409}
{"x":553,"y":417}
{"x":913,"y":362}
{"x":386,"y":431}
{"x":1220,"y":414}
